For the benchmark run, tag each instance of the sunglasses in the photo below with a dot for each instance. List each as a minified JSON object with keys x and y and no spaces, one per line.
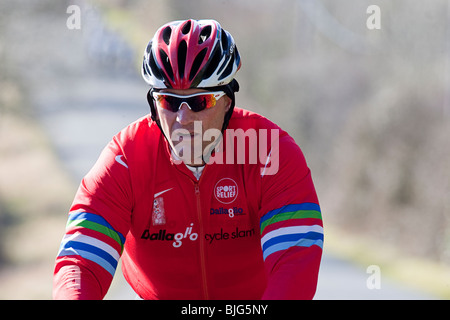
{"x":196,"y":102}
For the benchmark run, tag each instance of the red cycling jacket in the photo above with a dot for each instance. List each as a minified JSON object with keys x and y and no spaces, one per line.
{"x":247,"y":229}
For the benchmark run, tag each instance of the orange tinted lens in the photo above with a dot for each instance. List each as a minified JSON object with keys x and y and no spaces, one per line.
{"x":196,"y":103}
{"x":201,"y":102}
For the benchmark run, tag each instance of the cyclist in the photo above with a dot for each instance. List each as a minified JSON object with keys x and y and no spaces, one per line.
{"x":179,"y":196}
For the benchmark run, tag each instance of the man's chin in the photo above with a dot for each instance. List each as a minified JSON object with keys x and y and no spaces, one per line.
{"x":192,"y":156}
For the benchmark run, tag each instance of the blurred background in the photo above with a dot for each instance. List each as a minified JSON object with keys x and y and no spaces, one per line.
{"x":370,"y":109}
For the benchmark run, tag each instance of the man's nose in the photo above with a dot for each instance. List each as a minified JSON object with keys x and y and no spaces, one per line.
{"x":185,"y":115}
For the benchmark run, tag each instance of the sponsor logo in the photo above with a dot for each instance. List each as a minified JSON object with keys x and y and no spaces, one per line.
{"x":236,"y":234}
{"x":226,"y":190}
{"x":231,"y":212}
{"x":120,"y":160}
{"x":160,"y":193}
{"x":177,"y":238}
{"x":158,"y":213}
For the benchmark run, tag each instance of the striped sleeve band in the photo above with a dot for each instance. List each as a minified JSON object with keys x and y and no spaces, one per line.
{"x":91,"y":237}
{"x":291,"y":225}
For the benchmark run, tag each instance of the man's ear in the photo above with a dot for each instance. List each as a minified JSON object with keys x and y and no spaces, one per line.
{"x":228,"y":103}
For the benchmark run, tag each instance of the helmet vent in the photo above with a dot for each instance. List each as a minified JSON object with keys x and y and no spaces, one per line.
{"x":224,"y":40}
{"x":154,"y":68}
{"x":186,"y":28}
{"x":166,"y":63}
{"x":204,"y":35}
{"x":212,"y":66}
{"x":148,"y":50}
{"x":228,"y":69}
{"x":197,"y":63}
{"x":166,"y":35}
{"x":182,"y":49}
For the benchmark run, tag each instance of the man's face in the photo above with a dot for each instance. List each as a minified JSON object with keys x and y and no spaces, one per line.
{"x":175,"y":124}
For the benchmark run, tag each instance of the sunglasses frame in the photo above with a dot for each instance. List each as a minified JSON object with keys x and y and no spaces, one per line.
{"x":217,"y":95}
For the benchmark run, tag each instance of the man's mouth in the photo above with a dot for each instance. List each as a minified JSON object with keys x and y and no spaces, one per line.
{"x":186,"y":133}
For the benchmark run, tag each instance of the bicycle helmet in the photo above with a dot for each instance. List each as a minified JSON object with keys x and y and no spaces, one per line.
{"x":190,"y":54}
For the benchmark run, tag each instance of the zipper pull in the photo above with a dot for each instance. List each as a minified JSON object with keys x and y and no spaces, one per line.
{"x":197,"y":189}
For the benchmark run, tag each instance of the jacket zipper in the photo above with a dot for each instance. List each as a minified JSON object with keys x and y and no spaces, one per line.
{"x":202,"y":243}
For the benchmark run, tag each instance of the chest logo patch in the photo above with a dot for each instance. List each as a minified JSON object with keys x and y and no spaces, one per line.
{"x":158,"y":215}
{"x":226,"y":190}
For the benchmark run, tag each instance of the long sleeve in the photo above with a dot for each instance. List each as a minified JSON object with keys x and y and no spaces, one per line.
{"x":291,"y":227}
{"x":95,"y":233}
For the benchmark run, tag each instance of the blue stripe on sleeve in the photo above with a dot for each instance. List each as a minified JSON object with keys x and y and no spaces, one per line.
{"x":91,"y":253}
{"x":290,"y":208}
{"x":286,"y":245}
{"x":292,"y":238}
{"x":94,"y":218}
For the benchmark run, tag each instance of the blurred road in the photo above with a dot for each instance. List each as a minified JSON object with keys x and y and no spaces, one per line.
{"x":343,"y":280}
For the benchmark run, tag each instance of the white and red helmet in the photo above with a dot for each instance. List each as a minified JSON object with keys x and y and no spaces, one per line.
{"x":190,"y":54}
